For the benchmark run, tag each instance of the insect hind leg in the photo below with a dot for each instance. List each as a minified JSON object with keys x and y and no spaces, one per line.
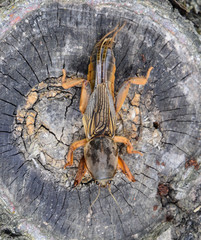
{"x":70,"y":82}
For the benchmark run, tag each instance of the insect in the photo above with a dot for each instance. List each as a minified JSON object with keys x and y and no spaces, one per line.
{"x":99,"y":109}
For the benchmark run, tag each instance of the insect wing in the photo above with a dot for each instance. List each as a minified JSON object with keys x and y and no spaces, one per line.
{"x":99,"y":117}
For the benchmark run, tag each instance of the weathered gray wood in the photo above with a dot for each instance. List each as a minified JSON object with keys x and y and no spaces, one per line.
{"x":63,"y":34}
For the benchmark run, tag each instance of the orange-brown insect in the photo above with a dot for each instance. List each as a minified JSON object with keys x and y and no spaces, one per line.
{"x":99,"y":109}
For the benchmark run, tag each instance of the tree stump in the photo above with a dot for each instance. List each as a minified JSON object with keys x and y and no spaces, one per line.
{"x":39,"y":121}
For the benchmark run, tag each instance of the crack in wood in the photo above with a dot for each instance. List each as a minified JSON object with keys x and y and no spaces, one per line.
{"x":27,"y":80}
{"x":7,"y":75}
{"x":172,"y":144}
{"x":3,"y":100}
{"x":24,"y":60}
{"x":179,"y":132}
{"x":44,"y":41}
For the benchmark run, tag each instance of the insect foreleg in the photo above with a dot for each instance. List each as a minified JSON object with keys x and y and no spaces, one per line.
{"x":82,"y":169}
{"x":124,"y":168}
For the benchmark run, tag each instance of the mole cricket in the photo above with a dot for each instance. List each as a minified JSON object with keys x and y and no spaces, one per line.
{"x":99,"y":109}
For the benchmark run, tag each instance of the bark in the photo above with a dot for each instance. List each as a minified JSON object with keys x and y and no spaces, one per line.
{"x":39,"y":120}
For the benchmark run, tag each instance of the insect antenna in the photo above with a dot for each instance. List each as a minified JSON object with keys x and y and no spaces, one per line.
{"x":96,"y":197}
{"x":109,"y":189}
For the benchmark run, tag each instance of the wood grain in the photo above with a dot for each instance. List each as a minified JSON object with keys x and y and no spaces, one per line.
{"x":165,"y":125}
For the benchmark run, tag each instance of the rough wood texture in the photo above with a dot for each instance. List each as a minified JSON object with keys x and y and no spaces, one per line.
{"x":39,"y":120}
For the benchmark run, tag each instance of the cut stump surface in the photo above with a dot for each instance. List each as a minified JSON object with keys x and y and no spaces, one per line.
{"x":39,"y":120}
